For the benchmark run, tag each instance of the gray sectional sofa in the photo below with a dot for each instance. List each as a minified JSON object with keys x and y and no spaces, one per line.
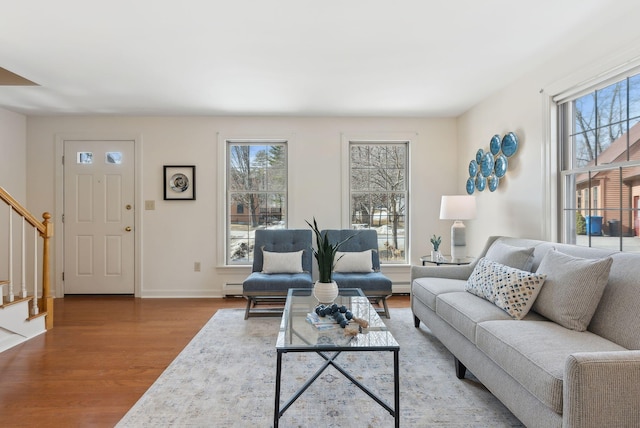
{"x":573,"y":359}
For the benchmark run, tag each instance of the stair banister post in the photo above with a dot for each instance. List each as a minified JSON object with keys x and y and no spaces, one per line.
{"x":10,"y":292}
{"x":23,"y":262}
{"x":47,"y":299}
{"x":34,"y":302}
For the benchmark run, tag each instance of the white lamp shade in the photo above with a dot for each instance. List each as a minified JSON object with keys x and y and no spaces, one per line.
{"x":458,"y":207}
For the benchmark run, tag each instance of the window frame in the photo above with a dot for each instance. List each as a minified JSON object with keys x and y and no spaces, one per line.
{"x":591,"y":199}
{"x":378,"y":139}
{"x":225,"y":193}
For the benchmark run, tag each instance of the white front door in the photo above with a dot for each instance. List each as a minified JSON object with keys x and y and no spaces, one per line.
{"x":99,"y":244}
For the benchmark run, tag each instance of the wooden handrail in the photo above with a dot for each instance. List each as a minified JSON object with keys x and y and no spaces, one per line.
{"x":45,"y":228}
{"x":5,"y":196}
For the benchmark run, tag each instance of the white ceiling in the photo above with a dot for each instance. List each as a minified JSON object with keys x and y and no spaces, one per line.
{"x":279,"y":57}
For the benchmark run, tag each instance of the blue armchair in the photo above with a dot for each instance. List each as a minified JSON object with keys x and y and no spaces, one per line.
{"x":287,"y":264}
{"x":374,"y":284}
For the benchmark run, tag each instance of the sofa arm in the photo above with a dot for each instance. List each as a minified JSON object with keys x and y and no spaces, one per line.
{"x":451,"y":272}
{"x":602,"y":389}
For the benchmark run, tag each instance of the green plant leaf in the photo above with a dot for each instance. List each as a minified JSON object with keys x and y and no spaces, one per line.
{"x":325,"y":252}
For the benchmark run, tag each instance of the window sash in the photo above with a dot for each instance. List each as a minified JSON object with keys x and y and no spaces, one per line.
{"x":378,"y":194}
{"x":256,"y":194}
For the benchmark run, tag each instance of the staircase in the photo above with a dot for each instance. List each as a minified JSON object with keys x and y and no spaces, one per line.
{"x":24,"y":315}
{"x":16,"y":325}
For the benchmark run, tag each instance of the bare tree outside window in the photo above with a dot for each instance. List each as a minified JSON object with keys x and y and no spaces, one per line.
{"x":601,"y":153}
{"x":603,"y":116}
{"x":378,"y":194}
{"x":256,"y":194}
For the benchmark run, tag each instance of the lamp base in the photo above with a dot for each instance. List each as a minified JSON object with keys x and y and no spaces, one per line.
{"x":458,"y":252}
{"x":458,"y":240}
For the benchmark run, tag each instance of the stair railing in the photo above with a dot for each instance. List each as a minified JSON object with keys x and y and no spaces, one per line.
{"x":44,"y":230}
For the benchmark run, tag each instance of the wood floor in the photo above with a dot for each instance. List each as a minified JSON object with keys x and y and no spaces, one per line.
{"x":101,"y":356}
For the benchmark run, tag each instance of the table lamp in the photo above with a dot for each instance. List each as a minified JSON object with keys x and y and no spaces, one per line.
{"x":458,"y":208}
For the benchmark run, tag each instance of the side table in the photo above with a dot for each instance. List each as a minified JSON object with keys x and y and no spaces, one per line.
{"x":446,"y":260}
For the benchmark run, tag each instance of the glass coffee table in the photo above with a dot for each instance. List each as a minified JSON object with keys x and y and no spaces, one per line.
{"x":298,"y":335}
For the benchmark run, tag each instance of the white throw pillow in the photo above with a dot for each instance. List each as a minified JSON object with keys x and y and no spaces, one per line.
{"x":353,"y":262}
{"x":282,"y":262}
{"x":512,"y":290}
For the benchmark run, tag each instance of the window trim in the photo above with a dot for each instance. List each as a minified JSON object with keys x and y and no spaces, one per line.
{"x":573,"y":84}
{"x":408,"y":138}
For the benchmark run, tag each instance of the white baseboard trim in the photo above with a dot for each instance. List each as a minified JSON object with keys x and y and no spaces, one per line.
{"x":181,"y":294}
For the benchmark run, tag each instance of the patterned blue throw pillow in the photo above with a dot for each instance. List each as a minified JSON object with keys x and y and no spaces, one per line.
{"x":512,"y":290}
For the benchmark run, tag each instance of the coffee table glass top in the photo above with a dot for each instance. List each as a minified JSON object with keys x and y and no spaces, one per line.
{"x":297,"y":333}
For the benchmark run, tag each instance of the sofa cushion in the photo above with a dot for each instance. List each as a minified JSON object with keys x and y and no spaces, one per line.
{"x":534,"y":353}
{"x":512,"y":290}
{"x":428,"y":288}
{"x":353,"y":261}
{"x":463,"y":311}
{"x":515,"y":257}
{"x":573,"y":288}
{"x":290,"y":262}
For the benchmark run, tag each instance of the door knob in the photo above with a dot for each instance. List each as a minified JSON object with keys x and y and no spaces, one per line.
{"x":128,"y":228}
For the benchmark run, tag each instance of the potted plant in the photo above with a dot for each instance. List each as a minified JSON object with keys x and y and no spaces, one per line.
{"x":435,"y":241}
{"x":325,"y":289}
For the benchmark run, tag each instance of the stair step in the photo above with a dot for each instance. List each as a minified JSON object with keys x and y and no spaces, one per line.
{"x":15,"y":301}
{"x":15,"y":319}
{"x":39,"y":315}
{"x":9,"y":340}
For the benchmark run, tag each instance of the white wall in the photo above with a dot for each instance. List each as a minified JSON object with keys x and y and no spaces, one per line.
{"x":520,"y":207}
{"x":13,"y":178}
{"x":13,"y":154}
{"x":176,"y":234}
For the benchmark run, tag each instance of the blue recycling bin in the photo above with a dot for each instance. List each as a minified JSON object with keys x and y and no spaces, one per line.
{"x":594,"y":224}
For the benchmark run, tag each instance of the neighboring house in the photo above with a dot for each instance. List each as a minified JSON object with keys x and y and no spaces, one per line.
{"x":611,"y":190}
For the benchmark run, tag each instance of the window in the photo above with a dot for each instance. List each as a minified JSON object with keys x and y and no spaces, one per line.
{"x":600,"y":166}
{"x":84,"y":158}
{"x":113,"y":158}
{"x":378,"y":194}
{"x":256,"y":194}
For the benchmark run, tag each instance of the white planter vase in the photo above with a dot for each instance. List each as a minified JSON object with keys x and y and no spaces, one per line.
{"x":325,"y":292}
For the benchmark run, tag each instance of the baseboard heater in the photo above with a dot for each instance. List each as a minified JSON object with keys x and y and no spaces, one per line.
{"x":233,"y":289}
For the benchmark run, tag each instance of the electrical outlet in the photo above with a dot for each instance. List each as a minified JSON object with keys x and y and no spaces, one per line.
{"x":150,"y":205}
{"x":196,"y":266}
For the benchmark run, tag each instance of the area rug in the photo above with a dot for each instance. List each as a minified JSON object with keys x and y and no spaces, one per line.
{"x":225,"y":377}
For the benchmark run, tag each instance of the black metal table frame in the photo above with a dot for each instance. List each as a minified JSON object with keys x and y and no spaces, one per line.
{"x":330,"y":361}
{"x":329,"y":354}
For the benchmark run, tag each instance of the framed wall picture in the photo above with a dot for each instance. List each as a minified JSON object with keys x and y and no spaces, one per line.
{"x":179,"y":182}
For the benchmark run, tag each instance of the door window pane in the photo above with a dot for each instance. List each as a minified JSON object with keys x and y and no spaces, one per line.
{"x":84,"y":158}
{"x":113,"y":158}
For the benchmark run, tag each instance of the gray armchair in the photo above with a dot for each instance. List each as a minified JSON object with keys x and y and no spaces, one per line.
{"x":284,"y":269}
{"x":374,"y":284}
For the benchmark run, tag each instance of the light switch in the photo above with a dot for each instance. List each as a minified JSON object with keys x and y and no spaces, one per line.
{"x":149,"y":205}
